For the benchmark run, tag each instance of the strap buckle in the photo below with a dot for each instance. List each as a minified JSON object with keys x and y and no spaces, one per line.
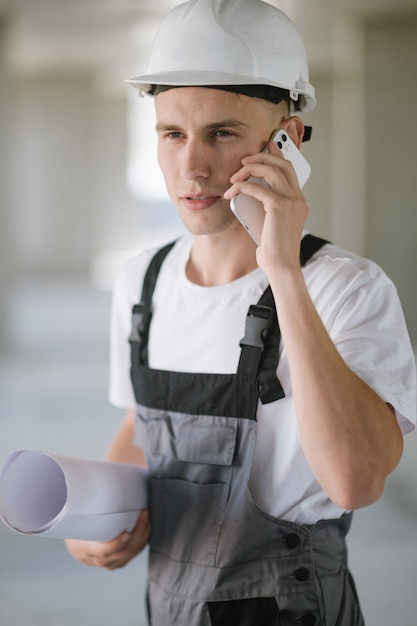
{"x":141,"y":317}
{"x":258,"y":322}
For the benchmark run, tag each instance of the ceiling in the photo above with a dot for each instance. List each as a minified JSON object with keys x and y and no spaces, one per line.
{"x":111,"y":37}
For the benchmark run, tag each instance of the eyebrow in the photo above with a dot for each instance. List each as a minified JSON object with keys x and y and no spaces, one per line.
{"x":231,"y":123}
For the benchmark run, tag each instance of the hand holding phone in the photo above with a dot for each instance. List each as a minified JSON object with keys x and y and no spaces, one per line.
{"x":249,"y":211}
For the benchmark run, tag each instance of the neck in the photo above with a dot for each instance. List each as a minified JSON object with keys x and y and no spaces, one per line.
{"x":220,"y":259}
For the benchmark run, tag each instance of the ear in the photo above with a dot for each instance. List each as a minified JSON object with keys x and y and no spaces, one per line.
{"x":294,"y":126}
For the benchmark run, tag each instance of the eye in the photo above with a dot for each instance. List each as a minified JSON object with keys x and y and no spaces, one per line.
{"x":174,"y":134}
{"x":223,"y":133}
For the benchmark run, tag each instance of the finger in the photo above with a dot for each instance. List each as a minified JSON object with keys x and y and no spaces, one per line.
{"x":130,"y":544}
{"x":120,"y":559}
{"x":144,"y":517}
{"x":273,"y":148}
{"x":256,"y":190}
{"x":108,"y":548}
{"x":268,"y":156}
{"x":278,"y":173}
{"x":115,"y":559}
{"x":125,"y":538}
{"x":141,"y":533}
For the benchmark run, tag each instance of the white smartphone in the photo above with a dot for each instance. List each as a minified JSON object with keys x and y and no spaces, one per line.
{"x":249,"y":211}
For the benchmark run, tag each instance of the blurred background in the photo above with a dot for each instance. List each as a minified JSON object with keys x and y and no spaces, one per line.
{"x":80,"y":193}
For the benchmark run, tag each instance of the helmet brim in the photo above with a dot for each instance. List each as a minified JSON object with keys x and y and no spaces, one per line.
{"x":145,"y":83}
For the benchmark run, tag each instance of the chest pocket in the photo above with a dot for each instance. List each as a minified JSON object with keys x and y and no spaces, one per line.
{"x":195,"y":439}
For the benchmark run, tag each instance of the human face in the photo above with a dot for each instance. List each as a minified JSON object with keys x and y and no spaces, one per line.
{"x":202,"y":136}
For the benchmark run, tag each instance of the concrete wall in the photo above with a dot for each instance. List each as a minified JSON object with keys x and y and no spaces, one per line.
{"x":68,"y":163}
{"x":5,"y":262}
{"x":336,"y":190}
{"x":391,"y":154}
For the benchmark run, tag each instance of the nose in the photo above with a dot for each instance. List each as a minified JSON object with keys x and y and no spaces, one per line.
{"x":194,"y":160}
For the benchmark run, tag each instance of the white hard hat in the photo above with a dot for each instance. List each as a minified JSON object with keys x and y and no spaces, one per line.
{"x":229,"y":42}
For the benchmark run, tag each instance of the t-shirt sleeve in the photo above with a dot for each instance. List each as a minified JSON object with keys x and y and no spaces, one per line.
{"x":370,"y":333}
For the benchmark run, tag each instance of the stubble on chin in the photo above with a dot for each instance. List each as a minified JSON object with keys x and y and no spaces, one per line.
{"x":208,"y":225}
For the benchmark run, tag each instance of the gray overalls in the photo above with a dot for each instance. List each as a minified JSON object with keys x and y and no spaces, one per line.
{"x":215,"y":557}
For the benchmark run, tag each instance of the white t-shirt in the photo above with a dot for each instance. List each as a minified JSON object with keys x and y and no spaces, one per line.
{"x":198,"y":329}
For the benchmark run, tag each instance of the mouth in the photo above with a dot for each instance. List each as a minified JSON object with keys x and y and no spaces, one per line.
{"x":198,"y":196}
{"x":199,"y":202}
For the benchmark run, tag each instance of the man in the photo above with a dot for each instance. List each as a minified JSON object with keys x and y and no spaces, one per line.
{"x":270,"y":395}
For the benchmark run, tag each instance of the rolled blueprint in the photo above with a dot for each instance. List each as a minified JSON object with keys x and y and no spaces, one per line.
{"x":68,"y":498}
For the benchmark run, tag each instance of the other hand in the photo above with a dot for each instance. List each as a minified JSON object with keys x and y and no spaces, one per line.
{"x":116,"y":553}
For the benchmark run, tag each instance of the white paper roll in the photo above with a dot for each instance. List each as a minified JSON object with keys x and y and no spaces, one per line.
{"x":68,"y":498}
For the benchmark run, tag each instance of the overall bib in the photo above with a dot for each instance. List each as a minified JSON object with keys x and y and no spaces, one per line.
{"x":216,"y":559}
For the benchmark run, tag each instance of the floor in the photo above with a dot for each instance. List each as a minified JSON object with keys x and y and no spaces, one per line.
{"x":53,"y":380}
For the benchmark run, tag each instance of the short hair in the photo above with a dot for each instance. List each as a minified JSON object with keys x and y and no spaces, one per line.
{"x":265,"y":92}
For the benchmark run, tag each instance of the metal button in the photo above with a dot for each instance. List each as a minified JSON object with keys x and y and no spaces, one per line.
{"x":302,"y":574}
{"x":292,"y":541}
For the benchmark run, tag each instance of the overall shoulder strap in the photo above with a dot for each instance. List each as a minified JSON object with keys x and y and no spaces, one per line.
{"x":152,"y":273}
{"x":260,"y":345}
{"x":310,"y":244}
{"x":142,"y":312}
